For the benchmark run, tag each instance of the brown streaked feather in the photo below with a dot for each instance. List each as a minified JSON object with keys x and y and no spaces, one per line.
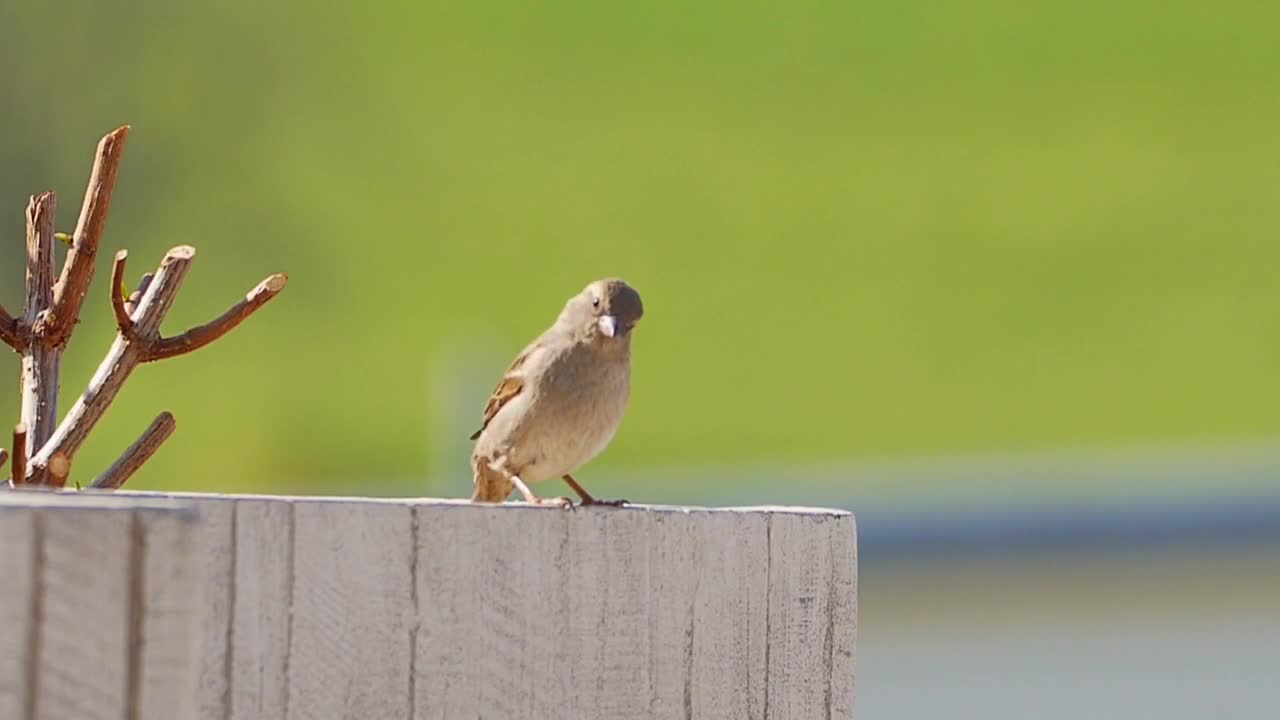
{"x":508,"y":387}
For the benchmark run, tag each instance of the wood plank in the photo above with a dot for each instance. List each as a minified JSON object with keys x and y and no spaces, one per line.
{"x":18,"y":550}
{"x":172,"y":580}
{"x":215,"y":597}
{"x":84,"y":661}
{"x":352,"y":616}
{"x":844,"y":594}
{"x":594,"y":613}
{"x":454,"y":554}
{"x":801,"y":627}
{"x":672,"y":557}
{"x":431,"y":609}
{"x":729,"y":603}
{"x":259,"y":637}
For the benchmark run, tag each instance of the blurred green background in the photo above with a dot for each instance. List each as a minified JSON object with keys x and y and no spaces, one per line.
{"x":873,"y":229}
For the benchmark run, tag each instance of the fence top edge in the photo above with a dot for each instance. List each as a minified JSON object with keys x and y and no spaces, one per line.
{"x":426,"y":502}
{"x":44,"y":499}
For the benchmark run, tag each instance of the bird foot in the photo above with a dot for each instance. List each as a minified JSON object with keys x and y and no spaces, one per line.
{"x":603,"y":503}
{"x":560,"y":502}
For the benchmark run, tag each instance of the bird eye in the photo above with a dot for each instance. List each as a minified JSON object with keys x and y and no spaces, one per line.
{"x":595,"y":302}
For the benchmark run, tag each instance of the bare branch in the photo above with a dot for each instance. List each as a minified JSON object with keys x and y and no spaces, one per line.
{"x":59,"y":469}
{"x":4,"y":456}
{"x":40,"y":357}
{"x":121,"y":359}
{"x":117,"y":293}
{"x":77,"y":270}
{"x":138,"y":453}
{"x":144,"y":282}
{"x":198,"y":337}
{"x":19,"y":454}
{"x":11,"y":331}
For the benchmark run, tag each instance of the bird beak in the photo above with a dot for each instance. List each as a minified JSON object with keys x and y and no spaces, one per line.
{"x":608,"y":325}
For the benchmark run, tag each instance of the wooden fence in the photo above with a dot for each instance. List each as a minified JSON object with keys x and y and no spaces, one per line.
{"x":211,"y":607}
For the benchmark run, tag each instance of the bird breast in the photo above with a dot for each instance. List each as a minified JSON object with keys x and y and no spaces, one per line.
{"x":573,"y":413}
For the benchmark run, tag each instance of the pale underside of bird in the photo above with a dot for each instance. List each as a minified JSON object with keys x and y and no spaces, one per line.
{"x":561,"y":401}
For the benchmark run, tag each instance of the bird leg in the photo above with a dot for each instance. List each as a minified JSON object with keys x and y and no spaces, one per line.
{"x":532,"y":499}
{"x":587,"y":498}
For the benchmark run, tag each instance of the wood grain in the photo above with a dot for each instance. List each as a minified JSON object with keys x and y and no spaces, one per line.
{"x":261,"y":609}
{"x":19,"y":548}
{"x":350,"y":632}
{"x":84,"y":660}
{"x":802,"y":616}
{"x":355,"y":608}
{"x":217,"y":554}
{"x":171,"y":576}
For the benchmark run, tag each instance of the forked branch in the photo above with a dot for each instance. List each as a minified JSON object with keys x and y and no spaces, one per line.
{"x":198,"y":337}
{"x":125,"y":354}
{"x":42,"y":453}
{"x":137,"y":341}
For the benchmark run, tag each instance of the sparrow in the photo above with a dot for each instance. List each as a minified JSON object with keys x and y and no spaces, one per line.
{"x":562,"y":399}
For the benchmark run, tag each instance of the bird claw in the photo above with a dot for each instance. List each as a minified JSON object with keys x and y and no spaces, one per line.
{"x":605,"y":503}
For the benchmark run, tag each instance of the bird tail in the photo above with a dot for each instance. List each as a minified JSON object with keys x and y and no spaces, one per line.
{"x":491,"y":486}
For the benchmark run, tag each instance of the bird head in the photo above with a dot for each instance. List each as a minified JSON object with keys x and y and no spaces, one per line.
{"x":605,"y":309}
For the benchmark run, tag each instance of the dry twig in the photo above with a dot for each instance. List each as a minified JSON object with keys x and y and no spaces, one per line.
{"x":10,"y":331}
{"x":198,"y":337}
{"x":138,"y":453}
{"x":139,"y":341}
{"x":77,"y":270}
{"x":118,"y":303}
{"x":40,"y":358}
{"x":144,"y":282}
{"x":125,"y":355}
{"x":41,"y":453}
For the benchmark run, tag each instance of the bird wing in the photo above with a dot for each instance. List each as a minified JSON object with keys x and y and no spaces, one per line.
{"x":508,"y":387}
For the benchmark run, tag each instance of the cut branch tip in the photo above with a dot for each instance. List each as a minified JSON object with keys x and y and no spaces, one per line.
{"x":19,"y":474}
{"x":137,"y":454}
{"x":118,"y":303}
{"x":59,"y":468}
{"x":181,"y":252}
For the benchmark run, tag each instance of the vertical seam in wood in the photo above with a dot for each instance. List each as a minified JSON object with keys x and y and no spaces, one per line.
{"x":291,"y":573}
{"x":604,"y":611}
{"x":35,"y":612}
{"x":417,"y":612}
{"x":852,"y":534}
{"x":652,"y":538}
{"x":228,"y":655}
{"x":832,"y":528}
{"x":137,"y":601}
{"x":768,"y":605}
{"x":693,"y":612}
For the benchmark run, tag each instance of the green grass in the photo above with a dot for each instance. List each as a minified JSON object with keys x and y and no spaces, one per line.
{"x":860,"y":229}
